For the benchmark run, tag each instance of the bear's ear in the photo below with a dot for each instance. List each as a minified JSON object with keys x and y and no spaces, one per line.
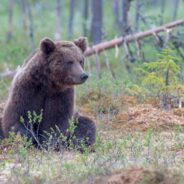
{"x":82,"y":43}
{"x":47,"y":46}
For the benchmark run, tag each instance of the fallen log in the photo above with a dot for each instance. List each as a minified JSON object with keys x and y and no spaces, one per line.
{"x":96,"y":49}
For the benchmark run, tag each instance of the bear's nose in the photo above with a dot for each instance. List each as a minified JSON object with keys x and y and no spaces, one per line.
{"x":84,"y":77}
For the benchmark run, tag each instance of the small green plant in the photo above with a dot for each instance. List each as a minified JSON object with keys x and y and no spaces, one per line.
{"x":56,"y":139}
{"x":72,"y":141}
{"x":31,"y":122}
{"x":33,"y":117}
{"x":161,"y":78}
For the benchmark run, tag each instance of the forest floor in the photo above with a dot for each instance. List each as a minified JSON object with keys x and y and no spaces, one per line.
{"x":140,"y":144}
{"x":137,"y":143}
{"x":136,"y":121}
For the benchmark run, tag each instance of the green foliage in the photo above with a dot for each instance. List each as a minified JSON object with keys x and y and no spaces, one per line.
{"x":33,"y":117}
{"x":17,"y":145}
{"x":145,"y":149}
{"x":161,"y":76}
{"x":72,"y":126}
{"x":135,"y":90}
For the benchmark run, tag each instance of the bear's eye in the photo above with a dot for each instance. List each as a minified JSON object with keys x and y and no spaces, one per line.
{"x":81,"y":63}
{"x":70,"y":62}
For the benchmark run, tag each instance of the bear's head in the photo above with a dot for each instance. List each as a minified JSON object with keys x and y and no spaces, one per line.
{"x":65,"y":61}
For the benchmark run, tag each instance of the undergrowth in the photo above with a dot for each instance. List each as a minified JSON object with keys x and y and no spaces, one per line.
{"x":161,"y":152}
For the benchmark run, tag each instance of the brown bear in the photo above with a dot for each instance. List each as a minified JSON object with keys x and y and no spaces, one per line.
{"x":45,"y":83}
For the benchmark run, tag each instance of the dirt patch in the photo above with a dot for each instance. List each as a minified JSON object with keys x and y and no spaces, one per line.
{"x":100,"y":102}
{"x":137,"y":176}
{"x":179,"y":112}
{"x":143,"y":117}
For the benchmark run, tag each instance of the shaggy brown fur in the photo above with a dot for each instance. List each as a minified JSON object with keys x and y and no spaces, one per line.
{"x":46,"y":82}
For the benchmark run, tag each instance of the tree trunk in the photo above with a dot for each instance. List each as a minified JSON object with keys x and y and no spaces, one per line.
{"x":31,"y":23}
{"x":58,"y":20}
{"x":96,"y":26}
{"x":10,"y":20}
{"x":98,"y":67}
{"x":125,"y":17}
{"x":137,"y":14}
{"x":155,"y":2}
{"x":71,"y":18}
{"x":24,"y":15}
{"x":176,"y":5}
{"x":166,"y":94}
{"x":86,"y":17}
{"x":162,"y":11}
{"x":115,"y":4}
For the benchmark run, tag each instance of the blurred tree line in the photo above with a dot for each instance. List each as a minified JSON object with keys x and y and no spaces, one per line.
{"x":92,"y":15}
